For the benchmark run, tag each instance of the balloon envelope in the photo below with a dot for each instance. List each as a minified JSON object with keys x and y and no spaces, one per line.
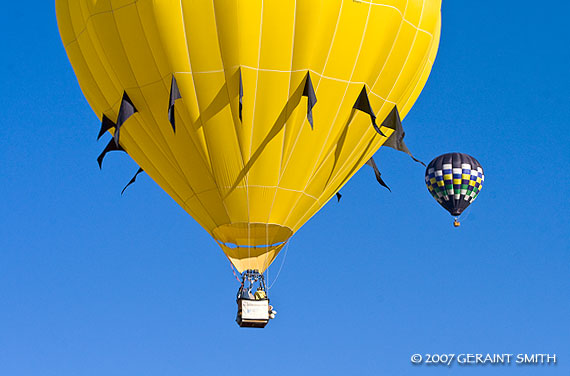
{"x":244,"y":160}
{"x":454,"y":180}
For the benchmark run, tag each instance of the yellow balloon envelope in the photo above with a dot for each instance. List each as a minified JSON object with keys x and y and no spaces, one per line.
{"x":244,"y":159}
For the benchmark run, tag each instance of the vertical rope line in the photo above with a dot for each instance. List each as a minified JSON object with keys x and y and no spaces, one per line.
{"x":234,"y":271}
{"x":266,"y":246}
{"x":282,"y":263}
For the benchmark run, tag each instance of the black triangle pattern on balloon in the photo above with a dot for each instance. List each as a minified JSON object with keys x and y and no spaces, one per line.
{"x":174,"y":95}
{"x":126,"y":110}
{"x":106,"y":124}
{"x":309,"y":92}
{"x":396,"y":140}
{"x":372,"y":164}
{"x":363,"y":104}
{"x":240,"y":96}
{"x":111,"y":146}
{"x":133,"y":180}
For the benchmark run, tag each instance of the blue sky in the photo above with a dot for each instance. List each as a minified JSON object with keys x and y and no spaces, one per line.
{"x":92,"y":283}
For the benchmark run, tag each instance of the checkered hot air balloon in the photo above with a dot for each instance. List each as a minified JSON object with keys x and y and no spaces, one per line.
{"x":454,"y":180}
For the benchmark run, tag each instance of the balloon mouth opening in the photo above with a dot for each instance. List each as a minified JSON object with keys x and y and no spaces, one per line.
{"x":252,"y":246}
{"x":252,"y":235}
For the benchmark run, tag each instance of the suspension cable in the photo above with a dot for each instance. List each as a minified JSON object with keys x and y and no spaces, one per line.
{"x":468,"y":211}
{"x":235,"y":274}
{"x":282,"y":263}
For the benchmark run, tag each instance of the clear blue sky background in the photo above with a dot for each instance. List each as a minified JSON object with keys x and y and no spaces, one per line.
{"x":92,"y":283}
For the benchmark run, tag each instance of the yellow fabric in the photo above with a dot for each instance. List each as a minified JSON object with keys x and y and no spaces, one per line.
{"x":260,"y":295}
{"x":251,"y":184}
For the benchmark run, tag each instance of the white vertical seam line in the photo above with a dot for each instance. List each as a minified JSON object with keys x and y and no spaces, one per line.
{"x":284,"y":127}
{"x":408,"y":56}
{"x":311,"y":176}
{"x":321,"y":75}
{"x":198,"y":105}
{"x":391,"y":49}
{"x":253,"y":123}
{"x":385,"y":63}
{"x":228,"y":92}
{"x":395,"y":84}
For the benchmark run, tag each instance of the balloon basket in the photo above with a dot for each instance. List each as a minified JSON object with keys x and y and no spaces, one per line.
{"x":252,"y":313}
{"x":254,"y":310}
{"x":456,"y":223}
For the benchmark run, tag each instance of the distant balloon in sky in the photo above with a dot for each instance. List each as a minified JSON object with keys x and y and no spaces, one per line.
{"x":454,"y":180}
{"x":251,"y":114}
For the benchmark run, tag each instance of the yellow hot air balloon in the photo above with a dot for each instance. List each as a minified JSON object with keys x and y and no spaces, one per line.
{"x":262,"y":97}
